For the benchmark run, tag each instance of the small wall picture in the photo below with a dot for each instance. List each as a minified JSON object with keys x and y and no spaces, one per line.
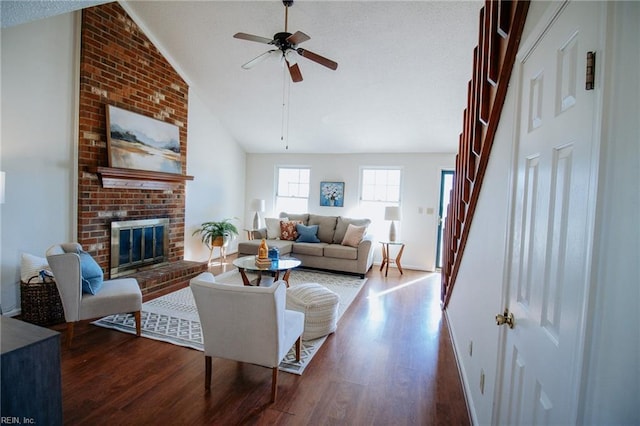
{"x":332,"y":194}
{"x":138,"y":142}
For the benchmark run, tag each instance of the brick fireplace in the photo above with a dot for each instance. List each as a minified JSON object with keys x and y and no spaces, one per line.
{"x":120,"y":66}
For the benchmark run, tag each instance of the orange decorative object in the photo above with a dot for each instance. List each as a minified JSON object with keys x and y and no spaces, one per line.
{"x":263,"y":251}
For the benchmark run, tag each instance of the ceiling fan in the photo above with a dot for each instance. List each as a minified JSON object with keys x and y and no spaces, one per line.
{"x":286,"y":48}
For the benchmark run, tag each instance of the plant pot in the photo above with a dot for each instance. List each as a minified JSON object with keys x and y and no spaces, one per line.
{"x":219,"y":242}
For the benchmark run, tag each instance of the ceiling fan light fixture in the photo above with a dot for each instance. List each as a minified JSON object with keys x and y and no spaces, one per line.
{"x":290,"y":56}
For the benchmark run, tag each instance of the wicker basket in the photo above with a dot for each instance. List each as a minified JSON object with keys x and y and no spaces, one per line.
{"x":40,"y":302}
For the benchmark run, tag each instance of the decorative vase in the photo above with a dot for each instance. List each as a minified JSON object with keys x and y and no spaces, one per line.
{"x":274,"y":253}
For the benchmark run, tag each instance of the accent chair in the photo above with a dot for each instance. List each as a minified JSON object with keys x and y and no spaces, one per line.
{"x":246,"y":324}
{"x":114,"y":297}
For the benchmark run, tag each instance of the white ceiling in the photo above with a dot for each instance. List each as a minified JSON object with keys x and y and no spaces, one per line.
{"x":16,"y":12}
{"x":400,"y":85}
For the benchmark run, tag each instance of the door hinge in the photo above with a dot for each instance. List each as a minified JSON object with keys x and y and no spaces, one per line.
{"x":591,"y":66}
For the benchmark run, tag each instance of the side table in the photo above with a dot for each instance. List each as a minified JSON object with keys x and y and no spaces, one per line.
{"x":386,"y":256}
{"x":249,"y":233}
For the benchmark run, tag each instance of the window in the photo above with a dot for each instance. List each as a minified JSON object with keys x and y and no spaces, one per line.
{"x":380,"y":187}
{"x":292,"y":194}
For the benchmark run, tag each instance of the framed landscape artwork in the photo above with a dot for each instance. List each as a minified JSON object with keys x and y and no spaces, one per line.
{"x":135,"y":141}
{"x":332,"y":194}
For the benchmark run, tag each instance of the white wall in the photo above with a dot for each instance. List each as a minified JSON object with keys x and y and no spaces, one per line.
{"x":420,"y":189}
{"x":218,"y":165}
{"x":476,"y":295}
{"x":611,"y":378}
{"x":39,"y":82}
{"x":612,"y":370}
{"x":38,"y":147}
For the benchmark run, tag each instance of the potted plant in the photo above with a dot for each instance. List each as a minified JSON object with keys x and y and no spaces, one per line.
{"x":217,"y":234}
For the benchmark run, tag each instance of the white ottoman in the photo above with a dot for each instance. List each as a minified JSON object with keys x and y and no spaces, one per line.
{"x":320,"y":308}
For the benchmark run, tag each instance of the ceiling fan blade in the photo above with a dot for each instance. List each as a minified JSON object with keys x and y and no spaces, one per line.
{"x":298,"y":37}
{"x":259,"y":59}
{"x":317,"y":58}
{"x":251,"y":37}
{"x":294,"y":70}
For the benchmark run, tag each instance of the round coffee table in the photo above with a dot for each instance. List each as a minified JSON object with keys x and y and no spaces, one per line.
{"x":248,"y":263}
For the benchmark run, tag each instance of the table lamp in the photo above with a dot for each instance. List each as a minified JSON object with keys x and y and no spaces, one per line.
{"x":392,"y":213}
{"x":257,"y":205}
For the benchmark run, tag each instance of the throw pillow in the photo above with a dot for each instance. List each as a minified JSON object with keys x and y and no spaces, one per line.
{"x":326,"y":226}
{"x":288,"y":230}
{"x":343,"y":223}
{"x":303,"y":218}
{"x":307,"y":234}
{"x":273,"y":227}
{"x":31,"y":265}
{"x":354,"y":235}
{"x":92,"y":275}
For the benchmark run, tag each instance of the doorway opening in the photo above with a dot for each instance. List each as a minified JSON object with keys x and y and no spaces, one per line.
{"x":446,"y":183}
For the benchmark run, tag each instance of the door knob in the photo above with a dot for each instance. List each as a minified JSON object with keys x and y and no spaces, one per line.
{"x":506,"y":318}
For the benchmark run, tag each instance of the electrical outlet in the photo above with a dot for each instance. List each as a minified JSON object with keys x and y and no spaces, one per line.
{"x":482,"y":381}
{"x":430,"y":210}
{"x":470,"y":347}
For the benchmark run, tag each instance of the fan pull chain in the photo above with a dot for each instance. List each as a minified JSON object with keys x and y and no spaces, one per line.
{"x":284,"y":96}
{"x":288,"y":110}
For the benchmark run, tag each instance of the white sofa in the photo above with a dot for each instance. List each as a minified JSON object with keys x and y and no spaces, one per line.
{"x":328,"y":254}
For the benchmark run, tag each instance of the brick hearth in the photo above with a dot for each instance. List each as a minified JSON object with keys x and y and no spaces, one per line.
{"x":173,"y":275}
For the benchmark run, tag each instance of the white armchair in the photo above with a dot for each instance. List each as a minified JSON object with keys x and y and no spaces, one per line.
{"x":115,"y":297}
{"x":246,"y":324}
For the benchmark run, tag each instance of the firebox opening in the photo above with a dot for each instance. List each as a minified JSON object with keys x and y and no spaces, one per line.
{"x":137,"y":244}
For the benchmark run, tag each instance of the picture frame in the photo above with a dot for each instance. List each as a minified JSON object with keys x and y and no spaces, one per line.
{"x":135,"y":141}
{"x":332,"y":194}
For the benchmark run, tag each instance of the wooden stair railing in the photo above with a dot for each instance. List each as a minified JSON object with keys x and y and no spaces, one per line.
{"x":501,"y":24}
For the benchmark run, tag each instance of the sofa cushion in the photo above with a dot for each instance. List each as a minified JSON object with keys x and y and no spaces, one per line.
{"x":273,"y":227}
{"x":354,"y":235}
{"x":311,"y":249}
{"x":302,"y":217}
{"x":307,"y":234}
{"x":288,"y":230}
{"x":326,"y":226}
{"x":339,"y":251}
{"x":251,"y":247}
{"x":343,"y":223}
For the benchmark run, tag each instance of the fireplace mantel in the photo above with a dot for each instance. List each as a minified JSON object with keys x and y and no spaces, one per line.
{"x":113,"y":177}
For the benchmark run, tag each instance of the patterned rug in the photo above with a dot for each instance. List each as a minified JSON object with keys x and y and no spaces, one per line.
{"x":173,"y":318}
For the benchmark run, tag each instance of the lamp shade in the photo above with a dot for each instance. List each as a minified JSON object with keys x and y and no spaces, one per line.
{"x":257,"y":205}
{"x":392,"y":213}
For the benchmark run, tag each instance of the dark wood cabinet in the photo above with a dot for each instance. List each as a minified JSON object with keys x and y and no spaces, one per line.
{"x":31,"y":381}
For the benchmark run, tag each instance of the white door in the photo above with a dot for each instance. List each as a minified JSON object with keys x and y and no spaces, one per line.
{"x":551,"y":222}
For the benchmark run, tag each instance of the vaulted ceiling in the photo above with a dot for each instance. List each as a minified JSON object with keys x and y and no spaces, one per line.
{"x":400,"y":85}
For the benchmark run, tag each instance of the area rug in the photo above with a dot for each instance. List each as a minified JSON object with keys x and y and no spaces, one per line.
{"x":173,"y":318}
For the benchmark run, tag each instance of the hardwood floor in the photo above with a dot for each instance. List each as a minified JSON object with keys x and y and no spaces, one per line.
{"x":390,"y":362}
